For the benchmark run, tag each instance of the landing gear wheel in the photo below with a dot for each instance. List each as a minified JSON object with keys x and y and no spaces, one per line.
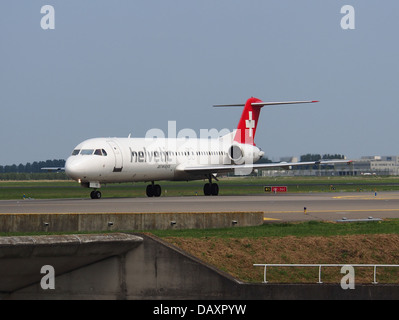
{"x":214,"y":189}
{"x":207,"y":189}
{"x":157,"y":190}
{"x":149,"y":190}
{"x":211,"y":189}
{"x":153,"y":190}
{"x":95,"y":194}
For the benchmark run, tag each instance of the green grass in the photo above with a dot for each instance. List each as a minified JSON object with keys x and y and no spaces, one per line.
{"x":299,"y":229}
{"x":227,"y":186}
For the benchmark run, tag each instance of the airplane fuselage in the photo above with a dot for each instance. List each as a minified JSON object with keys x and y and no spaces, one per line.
{"x":108,"y":160}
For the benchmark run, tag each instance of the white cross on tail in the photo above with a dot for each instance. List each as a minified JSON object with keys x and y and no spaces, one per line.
{"x":250,"y":123}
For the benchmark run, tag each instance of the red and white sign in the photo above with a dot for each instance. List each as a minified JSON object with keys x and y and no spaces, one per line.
{"x":279,"y":189}
{"x":276,"y":189}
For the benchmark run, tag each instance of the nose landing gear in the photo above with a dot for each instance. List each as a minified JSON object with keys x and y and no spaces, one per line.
{"x":95,"y":194}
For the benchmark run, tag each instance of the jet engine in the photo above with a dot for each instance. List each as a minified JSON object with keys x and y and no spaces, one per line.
{"x":244,"y":153}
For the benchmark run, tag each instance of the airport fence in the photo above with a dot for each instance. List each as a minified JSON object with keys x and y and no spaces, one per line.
{"x":320,"y":266}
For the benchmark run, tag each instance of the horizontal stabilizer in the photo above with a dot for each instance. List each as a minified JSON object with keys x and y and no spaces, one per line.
{"x":261,"y":104}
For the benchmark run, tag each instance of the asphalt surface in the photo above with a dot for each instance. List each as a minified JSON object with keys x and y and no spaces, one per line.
{"x":278,"y":207}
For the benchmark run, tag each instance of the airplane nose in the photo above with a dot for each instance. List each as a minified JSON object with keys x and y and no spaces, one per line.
{"x":74,"y":168}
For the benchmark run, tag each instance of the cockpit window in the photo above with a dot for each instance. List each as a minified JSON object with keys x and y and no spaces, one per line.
{"x":87,"y":152}
{"x":100,"y":152}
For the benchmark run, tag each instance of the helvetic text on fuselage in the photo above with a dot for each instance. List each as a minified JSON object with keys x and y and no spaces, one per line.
{"x":150,"y":156}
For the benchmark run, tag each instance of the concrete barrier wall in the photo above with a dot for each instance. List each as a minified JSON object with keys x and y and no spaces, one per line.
{"x":156,"y":270}
{"x":125,"y":221}
{"x":21,"y":258}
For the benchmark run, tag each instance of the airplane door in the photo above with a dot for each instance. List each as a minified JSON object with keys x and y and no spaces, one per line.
{"x":118,"y":156}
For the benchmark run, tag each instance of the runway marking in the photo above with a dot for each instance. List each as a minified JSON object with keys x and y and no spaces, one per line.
{"x":364,"y":197}
{"x":270,"y":219}
{"x":337,"y":211}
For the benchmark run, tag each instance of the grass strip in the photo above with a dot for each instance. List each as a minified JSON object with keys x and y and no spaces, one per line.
{"x":297,"y":229}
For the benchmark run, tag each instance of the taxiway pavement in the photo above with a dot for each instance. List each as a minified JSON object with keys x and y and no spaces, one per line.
{"x":276,"y":207}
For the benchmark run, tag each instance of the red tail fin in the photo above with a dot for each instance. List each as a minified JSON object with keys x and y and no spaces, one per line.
{"x":246,"y":128}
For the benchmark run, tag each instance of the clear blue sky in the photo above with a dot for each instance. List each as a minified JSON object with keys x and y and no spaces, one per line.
{"x":111,"y":68}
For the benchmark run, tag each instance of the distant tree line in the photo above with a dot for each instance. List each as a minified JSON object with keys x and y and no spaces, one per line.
{"x":34,"y":167}
{"x":33,"y":171}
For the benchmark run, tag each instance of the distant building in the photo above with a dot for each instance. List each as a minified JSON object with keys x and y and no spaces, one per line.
{"x":379,"y":165}
{"x":367,"y":165}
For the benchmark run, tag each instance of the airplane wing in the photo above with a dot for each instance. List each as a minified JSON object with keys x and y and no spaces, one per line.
{"x":53,"y":168}
{"x":209,"y":169}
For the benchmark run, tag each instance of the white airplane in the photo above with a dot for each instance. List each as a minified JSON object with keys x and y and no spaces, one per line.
{"x":99,"y":161}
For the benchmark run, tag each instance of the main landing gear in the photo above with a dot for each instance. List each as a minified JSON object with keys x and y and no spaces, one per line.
{"x":211,"y":188}
{"x":153,"y":190}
